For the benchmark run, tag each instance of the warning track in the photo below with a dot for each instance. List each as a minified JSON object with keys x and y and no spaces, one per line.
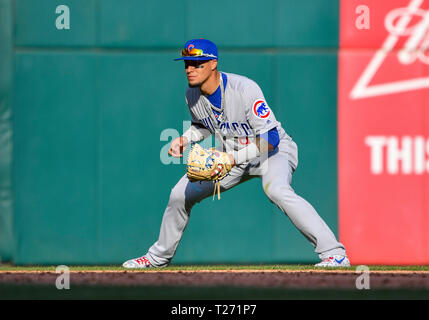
{"x":340,"y":279}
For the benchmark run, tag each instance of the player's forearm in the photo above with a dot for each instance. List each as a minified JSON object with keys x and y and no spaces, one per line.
{"x":252,"y":151}
{"x":263,"y":144}
{"x":247,"y":153}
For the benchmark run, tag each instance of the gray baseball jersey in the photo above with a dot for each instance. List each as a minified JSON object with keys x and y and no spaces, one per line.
{"x":243,"y":115}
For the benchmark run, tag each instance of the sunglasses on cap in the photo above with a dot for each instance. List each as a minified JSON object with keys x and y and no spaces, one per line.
{"x":194,"y":52}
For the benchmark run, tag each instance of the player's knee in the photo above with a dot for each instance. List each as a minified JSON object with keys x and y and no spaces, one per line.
{"x":177,"y":198}
{"x":181,"y":199}
{"x":274,"y":196}
{"x":278,"y":193}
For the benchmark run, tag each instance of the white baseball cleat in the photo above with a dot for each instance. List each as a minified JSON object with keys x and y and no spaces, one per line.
{"x":137,"y":263}
{"x":335,"y":261}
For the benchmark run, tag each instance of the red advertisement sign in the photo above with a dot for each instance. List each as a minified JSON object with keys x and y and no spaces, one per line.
{"x":383,"y":130}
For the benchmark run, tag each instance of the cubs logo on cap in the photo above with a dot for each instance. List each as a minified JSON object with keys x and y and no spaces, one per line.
{"x":199,"y":49}
{"x":261,"y":109}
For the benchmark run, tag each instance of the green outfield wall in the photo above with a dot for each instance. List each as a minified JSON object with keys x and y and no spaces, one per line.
{"x":84,"y":113}
{"x":6,"y":96}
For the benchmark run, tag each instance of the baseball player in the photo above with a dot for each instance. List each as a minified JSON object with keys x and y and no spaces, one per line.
{"x":233,"y":108}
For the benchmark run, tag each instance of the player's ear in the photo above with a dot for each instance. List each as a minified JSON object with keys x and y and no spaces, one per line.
{"x":213,"y":64}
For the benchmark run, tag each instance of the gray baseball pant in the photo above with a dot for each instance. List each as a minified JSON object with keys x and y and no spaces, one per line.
{"x":276,"y":173}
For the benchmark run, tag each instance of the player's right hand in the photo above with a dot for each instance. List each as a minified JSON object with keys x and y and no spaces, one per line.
{"x":177,"y":147}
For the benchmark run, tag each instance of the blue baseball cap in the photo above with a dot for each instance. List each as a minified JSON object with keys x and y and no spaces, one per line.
{"x":199,"y":49}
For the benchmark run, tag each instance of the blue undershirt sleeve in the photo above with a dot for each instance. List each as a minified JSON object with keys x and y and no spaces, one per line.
{"x":272,"y":137}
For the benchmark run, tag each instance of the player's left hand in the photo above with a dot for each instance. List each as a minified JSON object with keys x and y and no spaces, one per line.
{"x":208,"y":165}
{"x":218,"y":170}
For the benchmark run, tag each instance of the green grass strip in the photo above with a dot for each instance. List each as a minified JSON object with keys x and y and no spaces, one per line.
{"x":274,"y":267}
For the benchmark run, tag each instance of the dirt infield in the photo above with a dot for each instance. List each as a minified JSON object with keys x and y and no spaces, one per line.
{"x":314,"y":279}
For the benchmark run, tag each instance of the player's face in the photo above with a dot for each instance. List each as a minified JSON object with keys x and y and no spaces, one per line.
{"x":199,"y":71}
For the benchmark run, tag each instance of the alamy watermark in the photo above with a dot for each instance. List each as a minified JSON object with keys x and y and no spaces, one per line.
{"x":258,"y":166}
{"x":62,"y":22}
{"x":63,"y":280}
{"x":363,"y":280}
{"x":363,"y":19}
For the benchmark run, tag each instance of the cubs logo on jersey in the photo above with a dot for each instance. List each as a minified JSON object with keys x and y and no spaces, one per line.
{"x":260,"y":109}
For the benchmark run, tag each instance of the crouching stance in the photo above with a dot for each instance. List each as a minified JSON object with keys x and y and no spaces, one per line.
{"x":233,"y":108}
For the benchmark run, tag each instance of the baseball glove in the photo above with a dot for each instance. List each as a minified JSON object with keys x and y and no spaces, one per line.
{"x":208,"y":165}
